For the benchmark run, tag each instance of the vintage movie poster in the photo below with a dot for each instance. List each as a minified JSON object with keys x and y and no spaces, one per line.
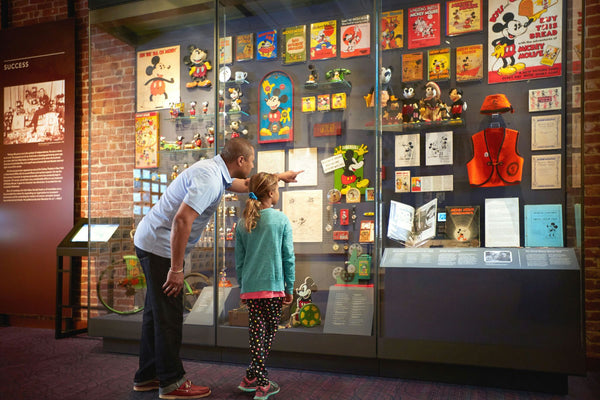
{"x":146,"y":140}
{"x":266,"y":45}
{"x":244,"y":47}
{"x":469,"y":63}
{"x":463,"y":16}
{"x":438,"y":64}
{"x":392,"y":30}
{"x":294,"y":44}
{"x":424,"y":26}
{"x":157,"y":78}
{"x":355,"y":37}
{"x":225,"y":50}
{"x":323,"y":40}
{"x":524,"y":40}
{"x":412,"y":67}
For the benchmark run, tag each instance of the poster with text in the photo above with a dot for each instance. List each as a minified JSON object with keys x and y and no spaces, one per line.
{"x":469,"y":63}
{"x":323,"y":40}
{"x":146,"y":140}
{"x":524,"y":40}
{"x":294,"y":44}
{"x":424,"y":26}
{"x":412,"y":67}
{"x":392,"y":29}
{"x":266,"y":45}
{"x":438,"y":64}
{"x":157,"y":78}
{"x":226,"y":50}
{"x":463,"y":16}
{"x":244,"y":47}
{"x":355,"y":37}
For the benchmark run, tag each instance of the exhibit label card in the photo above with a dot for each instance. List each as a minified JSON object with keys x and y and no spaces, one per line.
{"x":502,"y":222}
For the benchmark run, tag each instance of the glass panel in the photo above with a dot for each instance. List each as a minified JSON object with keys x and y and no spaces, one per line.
{"x":294,"y":76}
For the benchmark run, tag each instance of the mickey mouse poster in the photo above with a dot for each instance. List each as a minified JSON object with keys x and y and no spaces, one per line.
{"x":524,"y":40}
{"x":157,"y":78}
{"x":276,"y":108}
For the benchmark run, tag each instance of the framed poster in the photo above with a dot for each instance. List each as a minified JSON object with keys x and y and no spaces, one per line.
{"x":266,"y":45}
{"x":276,"y":108}
{"x":158,"y":80}
{"x":244,"y":47}
{"x":424,"y":26}
{"x":463,"y":16}
{"x":225,"y":50}
{"x":323,"y":40}
{"x":392,"y":30}
{"x":524,"y":40}
{"x":438,"y":64}
{"x":469,"y":63}
{"x":146,"y":140}
{"x":412,"y":67}
{"x":294,"y":44}
{"x":355,"y":37}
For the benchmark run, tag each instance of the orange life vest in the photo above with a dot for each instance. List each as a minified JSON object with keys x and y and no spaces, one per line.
{"x":496,"y":161}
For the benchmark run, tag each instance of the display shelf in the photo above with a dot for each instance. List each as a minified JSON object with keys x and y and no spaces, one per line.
{"x":339,"y":85}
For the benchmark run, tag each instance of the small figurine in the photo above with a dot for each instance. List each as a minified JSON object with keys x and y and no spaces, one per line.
{"x":337,"y":74}
{"x":204,"y":107}
{"x":199,"y":67}
{"x":180,"y":142}
{"x":385,"y":76}
{"x":235,"y":95}
{"x":198,"y":140}
{"x":221,"y":101}
{"x":458,"y":104}
{"x":313,"y":75}
{"x":173,"y":110}
{"x":192,"y":109}
{"x":410,"y":107}
{"x":175,"y":172}
{"x":237,"y":129}
{"x":394,"y":110}
{"x":431,"y":105}
{"x":210,"y":137}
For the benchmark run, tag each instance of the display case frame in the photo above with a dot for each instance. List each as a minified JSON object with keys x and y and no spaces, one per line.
{"x":424,"y":285}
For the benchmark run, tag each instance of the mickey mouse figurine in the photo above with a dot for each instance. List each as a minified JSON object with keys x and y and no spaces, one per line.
{"x":199,"y":67}
{"x":458,"y":104}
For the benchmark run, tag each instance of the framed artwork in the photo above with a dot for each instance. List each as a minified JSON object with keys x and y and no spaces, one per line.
{"x":146,"y":140}
{"x":392,"y":30}
{"x":276,"y":108}
{"x":463,"y":16}
{"x":244,"y":47}
{"x":438,"y":64}
{"x":412,"y":67}
{"x":225,"y":50}
{"x":424,"y":26}
{"x":157,"y":83}
{"x":266,"y":45}
{"x":355,"y":37}
{"x":294,"y":44}
{"x":469,"y":63}
{"x":323,"y":40}
{"x":525,"y":39}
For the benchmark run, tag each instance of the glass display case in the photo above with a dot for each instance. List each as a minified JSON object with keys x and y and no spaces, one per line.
{"x":437,"y":219}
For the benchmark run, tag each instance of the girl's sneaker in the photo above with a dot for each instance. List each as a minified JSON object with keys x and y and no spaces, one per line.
{"x":248,"y":385}
{"x":264,"y":392}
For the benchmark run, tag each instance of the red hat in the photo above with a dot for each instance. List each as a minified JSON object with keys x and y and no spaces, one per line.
{"x":496,"y":104}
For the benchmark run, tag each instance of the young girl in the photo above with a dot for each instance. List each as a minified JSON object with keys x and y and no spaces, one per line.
{"x":265,"y":263}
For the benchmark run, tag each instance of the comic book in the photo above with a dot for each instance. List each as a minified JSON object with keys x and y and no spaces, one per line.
{"x":355,"y":37}
{"x":323,"y":40}
{"x":294,"y":44}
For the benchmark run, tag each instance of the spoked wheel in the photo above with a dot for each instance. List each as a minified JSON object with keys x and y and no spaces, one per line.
{"x":193,"y":285}
{"x":119,"y":291}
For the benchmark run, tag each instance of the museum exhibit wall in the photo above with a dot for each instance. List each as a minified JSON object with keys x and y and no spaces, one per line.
{"x":113,"y":88}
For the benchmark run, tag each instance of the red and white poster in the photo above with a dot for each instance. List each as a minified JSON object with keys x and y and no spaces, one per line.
{"x":524,"y":40}
{"x":424,"y":26}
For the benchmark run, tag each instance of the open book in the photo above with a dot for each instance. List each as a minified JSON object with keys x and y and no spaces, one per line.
{"x":412,"y":226}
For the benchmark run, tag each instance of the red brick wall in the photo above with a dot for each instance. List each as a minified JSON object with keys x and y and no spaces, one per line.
{"x":112,"y":122}
{"x":591,"y":173}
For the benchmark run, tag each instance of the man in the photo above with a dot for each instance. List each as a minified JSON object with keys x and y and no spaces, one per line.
{"x":162,"y":239}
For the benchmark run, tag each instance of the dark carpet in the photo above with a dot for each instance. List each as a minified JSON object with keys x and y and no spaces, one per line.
{"x":33,"y":365}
